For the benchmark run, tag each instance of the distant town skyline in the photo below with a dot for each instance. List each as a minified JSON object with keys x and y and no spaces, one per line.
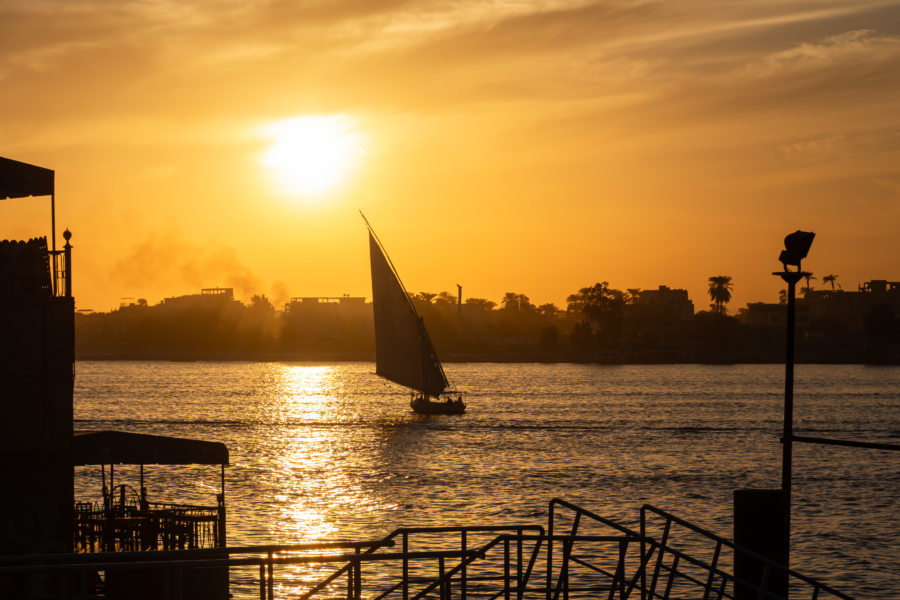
{"x":703,"y":304}
{"x":534,"y":148}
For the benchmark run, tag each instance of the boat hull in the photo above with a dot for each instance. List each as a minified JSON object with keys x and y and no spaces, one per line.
{"x":426,"y":407}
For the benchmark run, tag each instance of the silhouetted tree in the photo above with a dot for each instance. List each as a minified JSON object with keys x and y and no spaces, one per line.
{"x":808,"y":277}
{"x":425,"y":297}
{"x":447,"y":298}
{"x":632,"y":295}
{"x":516,"y":302}
{"x":484,"y":303}
{"x":261,"y":303}
{"x":830,"y":279}
{"x":548,"y":310}
{"x":601,"y":305}
{"x":720,"y":291}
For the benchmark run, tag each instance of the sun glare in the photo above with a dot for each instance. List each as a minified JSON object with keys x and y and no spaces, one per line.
{"x":311,"y":154}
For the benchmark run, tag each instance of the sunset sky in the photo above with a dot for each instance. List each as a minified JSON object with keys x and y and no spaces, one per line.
{"x":508,"y":146}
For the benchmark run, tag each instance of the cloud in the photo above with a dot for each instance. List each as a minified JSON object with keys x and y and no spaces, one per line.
{"x":860,"y":46}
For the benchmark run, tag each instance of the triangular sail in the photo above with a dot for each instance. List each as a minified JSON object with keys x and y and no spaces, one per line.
{"x":404,"y":353}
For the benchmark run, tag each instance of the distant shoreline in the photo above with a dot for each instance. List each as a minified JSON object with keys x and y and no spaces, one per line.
{"x":506,"y":359}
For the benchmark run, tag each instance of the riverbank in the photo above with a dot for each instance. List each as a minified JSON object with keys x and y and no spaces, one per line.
{"x":606,"y":358}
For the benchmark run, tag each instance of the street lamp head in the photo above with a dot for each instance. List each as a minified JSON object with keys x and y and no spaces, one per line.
{"x":796,"y":247}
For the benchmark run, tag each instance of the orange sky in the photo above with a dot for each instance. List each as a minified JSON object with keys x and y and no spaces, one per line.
{"x":533,"y":147}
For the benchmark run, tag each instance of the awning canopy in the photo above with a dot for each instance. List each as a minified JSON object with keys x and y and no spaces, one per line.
{"x":18,"y":180}
{"x":119,"y":447}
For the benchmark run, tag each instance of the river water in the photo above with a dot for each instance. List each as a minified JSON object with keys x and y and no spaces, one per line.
{"x":330,"y":451}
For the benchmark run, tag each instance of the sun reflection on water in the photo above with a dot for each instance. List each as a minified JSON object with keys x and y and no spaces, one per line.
{"x":320,"y":464}
{"x":306,"y":394}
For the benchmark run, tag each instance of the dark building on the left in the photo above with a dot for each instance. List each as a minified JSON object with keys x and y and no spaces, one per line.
{"x":36,"y":379}
{"x":39,"y":448}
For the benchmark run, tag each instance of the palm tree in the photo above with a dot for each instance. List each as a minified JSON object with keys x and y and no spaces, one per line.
{"x":720,"y":291}
{"x":632,"y":295}
{"x":548,"y":310}
{"x":601,"y":305}
{"x":482,"y":302}
{"x":447,"y":298}
{"x":516,"y":302}
{"x":808,"y":277}
{"x":830,"y":279}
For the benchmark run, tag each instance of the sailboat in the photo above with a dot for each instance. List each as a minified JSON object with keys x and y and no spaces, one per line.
{"x":404,"y":353}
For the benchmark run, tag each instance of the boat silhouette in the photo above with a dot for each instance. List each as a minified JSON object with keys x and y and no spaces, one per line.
{"x":404,"y":353}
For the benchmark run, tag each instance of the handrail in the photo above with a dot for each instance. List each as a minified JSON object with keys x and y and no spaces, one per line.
{"x":175,"y":554}
{"x":592,"y":562}
{"x":768,"y":563}
{"x":405,"y":532}
{"x":593,"y":515}
{"x":223,"y":562}
{"x":567,"y":548}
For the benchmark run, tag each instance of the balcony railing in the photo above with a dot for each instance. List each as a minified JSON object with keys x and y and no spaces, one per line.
{"x":153,"y":526}
{"x":28,"y":269}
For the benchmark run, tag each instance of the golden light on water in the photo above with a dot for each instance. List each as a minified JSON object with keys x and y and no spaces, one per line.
{"x":319,"y":474}
{"x":312,"y":153}
{"x":316,"y":479}
{"x":304,"y":392}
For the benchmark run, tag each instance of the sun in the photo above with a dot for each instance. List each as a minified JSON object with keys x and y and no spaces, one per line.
{"x":312,"y":153}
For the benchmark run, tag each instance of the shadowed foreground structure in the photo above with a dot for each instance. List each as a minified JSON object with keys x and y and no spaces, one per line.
{"x":38,"y":450}
{"x":579,"y":554}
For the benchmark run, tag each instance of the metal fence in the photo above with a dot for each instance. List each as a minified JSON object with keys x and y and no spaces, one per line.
{"x":148,"y":527}
{"x":579,"y":555}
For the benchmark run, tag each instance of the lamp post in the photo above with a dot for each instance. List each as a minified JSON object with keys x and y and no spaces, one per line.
{"x":796,"y":247}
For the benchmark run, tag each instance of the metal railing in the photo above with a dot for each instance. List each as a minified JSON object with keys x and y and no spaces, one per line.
{"x":75,"y":576}
{"x":61,"y":271}
{"x":680,"y":569}
{"x":154,"y":526}
{"x":584,"y":556}
{"x":418,"y":573}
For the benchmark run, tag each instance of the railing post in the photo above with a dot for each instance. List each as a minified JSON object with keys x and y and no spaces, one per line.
{"x":519,"y":590}
{"x":645,"y":556}
{"x":350,"y":579}
{"x":659,"y":557}
{"x":712,"y":571}
{"x":67,"y":252}
{"x":262,"y":581}
{"x":620,"y":571}
{"x":357,"y":579}
{"x":567,"y":553}
{"x":724,"y":584}
{"x":445,"y":595}
{"x":506,"y":567}
{"x":550,"y":553}
{"x":405,"y":566}
{"x":672,"y":574}
{"x":271,"y":568}
{"x":465,"y":564}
